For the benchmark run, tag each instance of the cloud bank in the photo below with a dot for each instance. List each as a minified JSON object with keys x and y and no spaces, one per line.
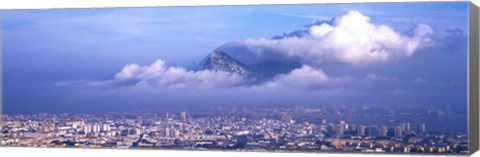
{"x":305,"y":77}
{"x":351,"y":39}
{"x":159,"y":75}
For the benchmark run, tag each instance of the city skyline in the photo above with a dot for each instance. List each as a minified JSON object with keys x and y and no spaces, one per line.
{"x":260,"y":129}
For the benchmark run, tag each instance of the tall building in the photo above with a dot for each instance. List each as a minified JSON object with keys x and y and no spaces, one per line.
{"x":165,"y":132}
{"x":407,"y":126}
{"x":403,"y":126}
{"x":183,"y":115}
{"x":383,"y":131}
{"x":340,"y":129}
{"x":344,"y":124}
{"x":106,"y":127}
{"x":398,"y":131}
{"x":169,"y":132}
{"x":174,"y":133}
{"x":87,"y":129}
{"x":421,"y":128}
{"x":361,"y":130}
{"x":96,"y":128}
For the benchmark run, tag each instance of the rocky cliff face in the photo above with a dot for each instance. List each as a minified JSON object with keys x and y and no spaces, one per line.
{"x":220,"y":61}
{"x":259,"y":72}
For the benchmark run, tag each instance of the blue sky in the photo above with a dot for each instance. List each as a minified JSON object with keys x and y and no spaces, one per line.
{"x":44,"y":47}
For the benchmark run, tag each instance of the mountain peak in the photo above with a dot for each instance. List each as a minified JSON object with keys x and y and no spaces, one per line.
{"x":217,"y":52}
{"x":220,"y":61}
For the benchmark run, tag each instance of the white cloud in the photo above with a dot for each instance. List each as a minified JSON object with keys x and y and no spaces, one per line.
{"x":129,"y":71}
{"x":305,"y":77}
{"x":158,"y":75}
{"x":310,"y":78}
{"x":350,"y":38}
{"x":320,"y":31}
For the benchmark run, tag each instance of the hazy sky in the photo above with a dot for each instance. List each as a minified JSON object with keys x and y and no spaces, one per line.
{"x":68,"y":60}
